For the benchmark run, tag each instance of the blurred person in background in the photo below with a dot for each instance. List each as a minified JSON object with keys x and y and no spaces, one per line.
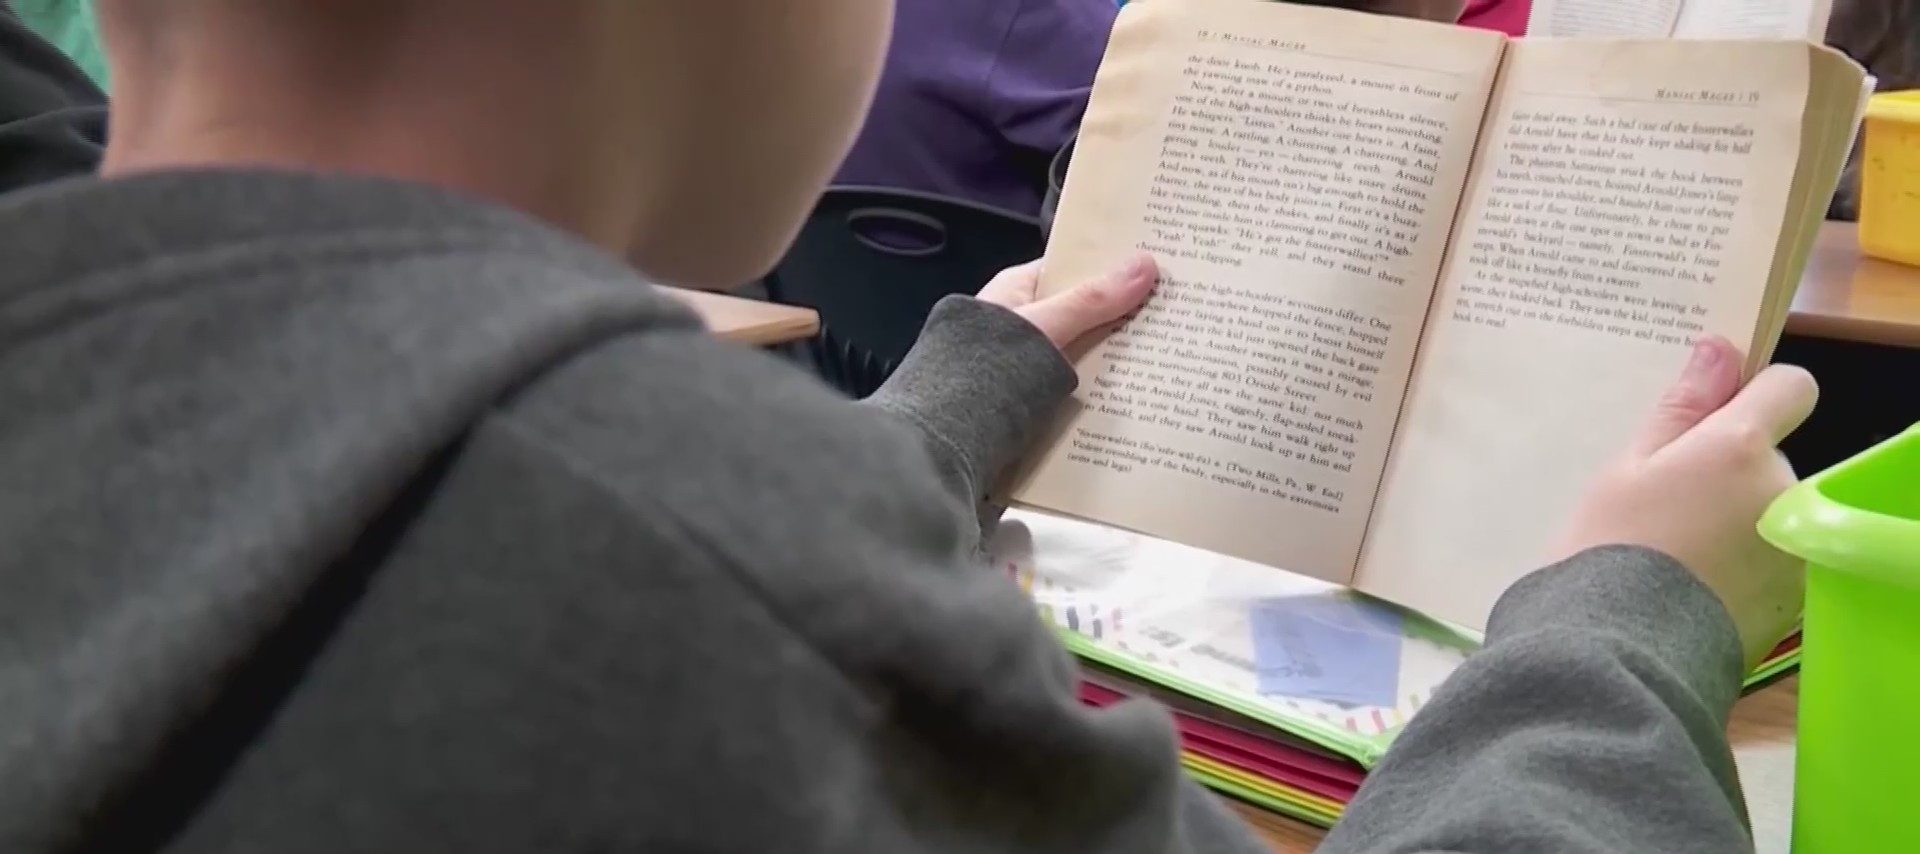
{"x":976,"y":97}
{"x":1883,"y":36}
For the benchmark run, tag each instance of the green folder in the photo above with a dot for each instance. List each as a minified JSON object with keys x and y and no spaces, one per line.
{"x":1135,"y":609}
{"x":1365,"y":750}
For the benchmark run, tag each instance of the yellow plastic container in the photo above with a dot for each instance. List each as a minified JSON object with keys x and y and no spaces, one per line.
{"x":1890,"y":177}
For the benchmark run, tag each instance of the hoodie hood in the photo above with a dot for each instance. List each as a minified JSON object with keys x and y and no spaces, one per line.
{"x":210,"y":384}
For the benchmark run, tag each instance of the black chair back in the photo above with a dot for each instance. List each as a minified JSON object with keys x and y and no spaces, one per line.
{"x":873,"y":261}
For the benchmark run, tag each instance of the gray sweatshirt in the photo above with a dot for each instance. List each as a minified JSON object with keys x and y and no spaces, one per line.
{"x":342,"y":515}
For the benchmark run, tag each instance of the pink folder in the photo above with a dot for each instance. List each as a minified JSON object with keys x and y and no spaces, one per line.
{"x":1272,"y":758}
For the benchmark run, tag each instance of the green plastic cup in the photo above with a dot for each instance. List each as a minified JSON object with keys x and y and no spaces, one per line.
{"x":1857,"y":759}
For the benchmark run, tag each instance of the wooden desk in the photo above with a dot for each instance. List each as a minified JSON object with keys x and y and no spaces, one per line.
{"x":1762,"y":734}
{"x":750,"y":321}
{"x":1847,"y":296}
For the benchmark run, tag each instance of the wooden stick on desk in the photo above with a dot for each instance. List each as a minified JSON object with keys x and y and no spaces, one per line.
{"x":749,"y":321}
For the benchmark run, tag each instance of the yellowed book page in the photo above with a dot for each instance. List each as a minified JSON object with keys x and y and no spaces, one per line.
{"x":1754,"y":19}
{"x":1602,"y":18}
{"x":1627,"y":199}
{"x":1295,"y":171}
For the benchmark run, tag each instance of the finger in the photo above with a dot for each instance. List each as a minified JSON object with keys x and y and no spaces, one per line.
{"x":1771,"y":407}
{"x":1014,"y":286}
{"x":1067,"y":315}
{"x":1710,"y":379}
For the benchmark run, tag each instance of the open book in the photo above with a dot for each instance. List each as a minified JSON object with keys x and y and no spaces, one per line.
{"x":1681,"y":19}
{"x":1419,"y":282}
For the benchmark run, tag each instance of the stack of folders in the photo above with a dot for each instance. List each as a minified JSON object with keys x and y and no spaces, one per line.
{"x":1286,"y":690}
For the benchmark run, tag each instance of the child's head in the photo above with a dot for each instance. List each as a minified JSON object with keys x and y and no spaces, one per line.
{"x":692,"y":135}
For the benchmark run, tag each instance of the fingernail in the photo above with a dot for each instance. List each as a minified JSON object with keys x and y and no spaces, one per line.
{"x":1705,"y":356}
{"x":1140,"y":267}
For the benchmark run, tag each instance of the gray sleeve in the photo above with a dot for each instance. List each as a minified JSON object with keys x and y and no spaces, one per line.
{"x":1594,"y":720}
{"x":976,"y":387}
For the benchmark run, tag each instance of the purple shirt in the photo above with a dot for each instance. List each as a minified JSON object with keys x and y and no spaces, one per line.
{"x":978,"y":95}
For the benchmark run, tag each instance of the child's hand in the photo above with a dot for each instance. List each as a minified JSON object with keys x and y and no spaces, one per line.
{"x":1695,"y":482}
{"x":1074,"y":312}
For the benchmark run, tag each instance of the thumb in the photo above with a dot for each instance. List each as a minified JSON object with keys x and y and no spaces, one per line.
{"x":1771,"y":407}
{"x":1710,"y":379}
{"x":1065,"y":316}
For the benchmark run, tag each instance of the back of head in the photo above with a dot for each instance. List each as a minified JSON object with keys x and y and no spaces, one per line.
{"x":692,"y":137}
